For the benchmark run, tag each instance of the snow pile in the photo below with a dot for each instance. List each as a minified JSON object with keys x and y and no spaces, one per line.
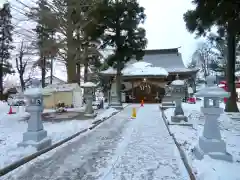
{"x":12,"y":128}
{"x":109,"y":112}
{"x":3,"y":107}
{"x":188,"y":136}
{"x":139,"y":69}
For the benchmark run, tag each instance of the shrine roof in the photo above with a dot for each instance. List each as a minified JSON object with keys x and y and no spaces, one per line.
{"x":169,"y":59}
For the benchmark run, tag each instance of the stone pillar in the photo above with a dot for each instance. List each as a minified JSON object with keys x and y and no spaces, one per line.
{"x":36,"y":135}
{"x":114,"y":99}
{"x":88,"y":94}
{"x":89,"y":112}
{"x":178,"y":109}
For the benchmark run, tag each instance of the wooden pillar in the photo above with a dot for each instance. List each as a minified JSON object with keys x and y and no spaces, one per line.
{"x":132,"y":90}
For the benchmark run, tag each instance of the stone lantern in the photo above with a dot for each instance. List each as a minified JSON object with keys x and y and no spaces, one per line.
{"x":178,"y":93}
{"x":88,"y":94}
{"x":211,"y":143}
{"x":36,"y":135}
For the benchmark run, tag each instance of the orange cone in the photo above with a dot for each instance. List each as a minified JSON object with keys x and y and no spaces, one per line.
{"x":10,"y":110}
{"x":142,"y":102}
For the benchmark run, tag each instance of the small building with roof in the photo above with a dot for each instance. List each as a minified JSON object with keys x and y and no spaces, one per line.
{"x":146,"y":79}
{"x":69,"y":94}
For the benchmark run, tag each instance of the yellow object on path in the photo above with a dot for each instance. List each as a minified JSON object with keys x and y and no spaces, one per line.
{"x":134,"y":113}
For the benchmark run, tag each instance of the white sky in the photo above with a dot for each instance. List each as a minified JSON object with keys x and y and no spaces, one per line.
{"x":165,"y":26}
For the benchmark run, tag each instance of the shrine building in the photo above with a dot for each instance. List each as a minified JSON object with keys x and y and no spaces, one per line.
{"x":147,"y":78}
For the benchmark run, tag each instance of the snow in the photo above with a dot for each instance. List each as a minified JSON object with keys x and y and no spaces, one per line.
{"x":33,"y":91}
{"x":147,"y":151}
{"x":139,"y":69}
{"x":60,"y":87}
{"x":214,"y":91}
{"x":120,"y":148}
{"x":187,"y":137}
{"x":89,"y":84}
{"x":12,"y":128}
{"x":178,"y":82}
{"x":237,"y":73}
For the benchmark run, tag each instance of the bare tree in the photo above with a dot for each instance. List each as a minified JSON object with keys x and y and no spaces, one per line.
{"x":21,"y":64}
{"x":205,"y":55}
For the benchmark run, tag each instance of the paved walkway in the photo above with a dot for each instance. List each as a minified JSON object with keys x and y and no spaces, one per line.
{"x":150,"y":153}
{"x":121,"y":149}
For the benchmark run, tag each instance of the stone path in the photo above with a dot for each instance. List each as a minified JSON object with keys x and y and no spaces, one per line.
{"x":150,"y":153}
{"x":121,"y":149}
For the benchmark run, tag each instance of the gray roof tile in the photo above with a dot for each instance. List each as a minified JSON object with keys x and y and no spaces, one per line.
{"x":170,"y":59}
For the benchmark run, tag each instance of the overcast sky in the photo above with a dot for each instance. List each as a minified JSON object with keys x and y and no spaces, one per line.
{"x":164,"y":24}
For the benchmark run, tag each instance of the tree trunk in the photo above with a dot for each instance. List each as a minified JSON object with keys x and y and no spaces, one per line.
{"x":78,"y":73}
{"x":1,"y":80}
{"x":231,"y":105}
{"x":51,"y":72}
{"x":71,"y":70}
{"x":51,"y":69}
{"x":43,"y":71}
{"x":71,"y":63}
{"x":119,"y":83}
{"x":22,"y":82}
{"x":85,"y":70}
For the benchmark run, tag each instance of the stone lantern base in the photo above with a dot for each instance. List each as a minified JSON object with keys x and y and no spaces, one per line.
{"x":179,"y":118}
{"x":38,"y":139}
{"x":216,"y":149}
{"x":211,"y":143}
{"x":114,"y":103}
{"x":92,"y":115}
{"x":116,"y":106}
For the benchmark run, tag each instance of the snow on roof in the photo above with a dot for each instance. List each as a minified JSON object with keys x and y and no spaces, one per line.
{"x":33,"y":91}
{"x":60,"y":87}
{"x":89,"y":84}
{"x":213,"y":91}
{"x":178,"y":82}
{"x":138,"y":69}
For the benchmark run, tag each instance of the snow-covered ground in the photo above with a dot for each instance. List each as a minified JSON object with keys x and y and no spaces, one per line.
{"x":187,"y":137}
{"x":12,"y":129}
{"x":120,"y":148}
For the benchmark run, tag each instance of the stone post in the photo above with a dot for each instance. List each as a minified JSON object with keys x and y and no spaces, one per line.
{"x":88,"y":93}
{"x":211,"y":143}
{"x":36,"y":135}
{"x":114,"y":99}
{"x":178,"y":109}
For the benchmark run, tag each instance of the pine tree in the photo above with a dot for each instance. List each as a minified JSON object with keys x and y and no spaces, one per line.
{"x":225,"y":15}
{"x":6,"y":29}
{"x":117,"y":22}
{"x":45,"y":29}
